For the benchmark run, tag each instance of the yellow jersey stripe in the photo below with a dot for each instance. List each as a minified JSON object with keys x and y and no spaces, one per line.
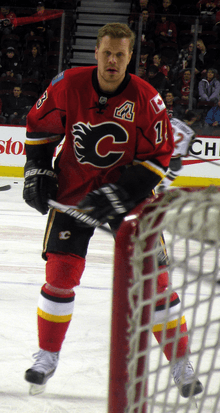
{"x":152,"y":167}
{"x":42,"y":141}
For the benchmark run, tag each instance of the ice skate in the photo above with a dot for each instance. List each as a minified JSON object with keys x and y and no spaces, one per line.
{"x":185,"y":379}
{"x":43,"y":368}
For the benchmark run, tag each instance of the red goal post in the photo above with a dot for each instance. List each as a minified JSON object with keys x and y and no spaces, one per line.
{"x":140,"y":378}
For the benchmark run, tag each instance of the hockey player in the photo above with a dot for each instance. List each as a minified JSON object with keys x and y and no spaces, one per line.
{"x":183,"y":136}
{"x":118,"y":144}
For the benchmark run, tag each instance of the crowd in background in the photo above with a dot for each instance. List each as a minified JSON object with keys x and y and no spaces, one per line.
{"x":169,"y":62}
{"x":29,"y":54}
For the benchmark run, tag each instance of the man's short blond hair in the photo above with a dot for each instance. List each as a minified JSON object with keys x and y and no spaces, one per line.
{"x":116,"y":31}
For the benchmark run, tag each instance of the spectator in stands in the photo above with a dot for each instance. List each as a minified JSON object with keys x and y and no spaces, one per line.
{"x":157,"y":79}
{"x":204,"y":59}
{"x":209,"y":87}
{"x":146,"y":56}
{"x":137,"y":8}
{"x":216,"y":26}
{"x":2,"y":117}
{"x":8,"y":16}
{"x":34,"y":64}
{"x":212,"y":119}
{"x":147,"y":41}
{"x":208,"y":9}
{"x":142,"y":72}
{"x":167,"y":8}
{"x":174,"y":110}
{"x":145,"y":60}
{"x":11,"y":65}
{"x":165,"y":31}
{"x":184,"y":59}
{"x":41,"y":28}
{"x":148,"y":5}
{"x":157,"y":61}
{"x":197,"y":122}
{"x":182,"y":89}
{"x":23,"y":119}
{"x":15,"y":105}
{"x":148,"y":28}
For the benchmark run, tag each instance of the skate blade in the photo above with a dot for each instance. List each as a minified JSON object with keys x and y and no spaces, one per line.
{"x":36,"y":389}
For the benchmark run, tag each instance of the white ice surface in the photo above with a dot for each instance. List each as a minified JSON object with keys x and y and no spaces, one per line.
{"x":80,"y":383}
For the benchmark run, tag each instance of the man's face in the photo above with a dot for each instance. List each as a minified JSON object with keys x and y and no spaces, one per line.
{"x":113,"y":57}
{"x":210,"y":76}
{"x":144,"y":57}
{"x":187,"y":76}
{"x":145,"y":15}
{"x":191,"y":47}
{"x":156,"y":59}
{"x":169,"y":98}
{"x":143,"y":3}
{"x":166,"y":3}
{"x":34,"y":51}
{"x":199,"y":45}
{"x":141,"y":71}
{"x":17,"y":91}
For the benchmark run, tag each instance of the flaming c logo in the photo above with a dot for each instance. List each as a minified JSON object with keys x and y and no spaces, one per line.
{"x":99,"y":145}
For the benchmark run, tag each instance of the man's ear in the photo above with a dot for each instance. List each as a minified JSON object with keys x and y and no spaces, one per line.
{"x":130,"y":57}
{"x":96,"y":53}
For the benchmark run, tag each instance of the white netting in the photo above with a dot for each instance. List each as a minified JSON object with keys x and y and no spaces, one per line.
{"x":190,"y":224}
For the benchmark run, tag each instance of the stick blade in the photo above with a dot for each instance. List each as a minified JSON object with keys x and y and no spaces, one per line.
{"x":5,"y":187}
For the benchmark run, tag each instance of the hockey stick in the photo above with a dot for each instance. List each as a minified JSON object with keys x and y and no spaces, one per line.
{"x":79,"y":215}
{"x":5,"y":187}
{"x":205,"y":160}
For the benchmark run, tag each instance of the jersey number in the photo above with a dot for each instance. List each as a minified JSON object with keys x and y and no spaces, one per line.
{"x":179,"y":137}
{"x":161,"y":131}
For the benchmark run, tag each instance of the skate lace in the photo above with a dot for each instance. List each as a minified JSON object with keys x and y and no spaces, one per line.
{"x":183,"y":372}
{"x":45,"y":361}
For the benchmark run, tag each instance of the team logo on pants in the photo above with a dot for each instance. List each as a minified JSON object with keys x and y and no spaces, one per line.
{"x":63,"y":235}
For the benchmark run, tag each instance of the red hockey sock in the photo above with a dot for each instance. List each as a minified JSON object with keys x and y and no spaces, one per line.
{"x":175,"y":326}
{"x":174,"y":329}
{"x":54,"y":315}
{"x":55,"y":308}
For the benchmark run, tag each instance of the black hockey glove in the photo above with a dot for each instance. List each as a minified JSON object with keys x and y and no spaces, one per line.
{"x":40,"y":184}
{"x":106,"y":203}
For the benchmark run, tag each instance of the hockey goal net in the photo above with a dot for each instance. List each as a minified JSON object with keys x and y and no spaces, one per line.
{"x":140,"y":378}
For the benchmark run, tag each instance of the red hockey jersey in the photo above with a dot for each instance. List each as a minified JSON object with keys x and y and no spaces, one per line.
{"x":104,"y":133}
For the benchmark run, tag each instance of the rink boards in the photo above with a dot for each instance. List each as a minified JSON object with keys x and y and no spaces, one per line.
{"x":201,"y":168}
